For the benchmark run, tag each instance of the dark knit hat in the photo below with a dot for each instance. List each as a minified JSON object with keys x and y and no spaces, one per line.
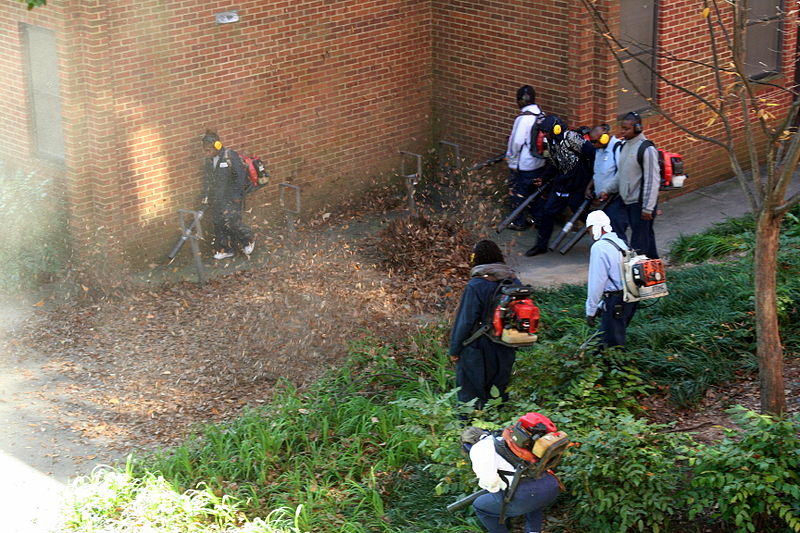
{"x":526,"y":95}
{"x":549,"y":122}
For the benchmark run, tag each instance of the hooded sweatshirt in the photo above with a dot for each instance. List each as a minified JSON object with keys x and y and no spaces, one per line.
{"x":475,"y":303}
{"x":638,"y":181}
{"x":519,"y":142}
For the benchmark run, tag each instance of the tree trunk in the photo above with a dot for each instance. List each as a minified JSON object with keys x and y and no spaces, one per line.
{"x":770,"y":349}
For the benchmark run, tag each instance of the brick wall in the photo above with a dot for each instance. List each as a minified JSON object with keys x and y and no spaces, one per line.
{"x":325,"y":91}
{"x":484,"y":50}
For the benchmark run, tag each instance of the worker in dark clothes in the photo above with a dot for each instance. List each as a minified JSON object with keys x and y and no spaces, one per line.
{"x":481,"y":364}
{"x":224,"y":185}
{"x":571,"y":159}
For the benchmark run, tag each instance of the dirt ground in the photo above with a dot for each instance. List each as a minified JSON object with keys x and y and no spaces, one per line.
{"x":141,"y":369}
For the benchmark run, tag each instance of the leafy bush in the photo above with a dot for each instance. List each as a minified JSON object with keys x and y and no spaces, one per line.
{"x":34,"y":239}
{"x":623,"y":475}
{"x":568,"y":374}
{"x":752,"y":477}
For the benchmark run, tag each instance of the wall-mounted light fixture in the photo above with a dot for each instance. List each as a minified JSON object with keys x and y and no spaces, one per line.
{"x":226,"y":17}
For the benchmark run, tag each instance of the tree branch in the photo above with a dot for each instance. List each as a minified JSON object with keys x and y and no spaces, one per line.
{"x":790,"y":203}
{"x":602,"y":27}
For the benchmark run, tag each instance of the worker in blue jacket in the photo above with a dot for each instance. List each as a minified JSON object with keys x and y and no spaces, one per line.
{"x":481,"y":364}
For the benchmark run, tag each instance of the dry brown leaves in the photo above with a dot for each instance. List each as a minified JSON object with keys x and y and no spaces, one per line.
{"x":146,"y":367}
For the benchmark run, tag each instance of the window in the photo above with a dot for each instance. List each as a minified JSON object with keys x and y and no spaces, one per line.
{"x":763,"y":40}
{"x":637,"y":33}
{"x":43,"y":92}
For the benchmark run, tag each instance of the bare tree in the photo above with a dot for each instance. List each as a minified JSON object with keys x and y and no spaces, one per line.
{"x":733,"y":101}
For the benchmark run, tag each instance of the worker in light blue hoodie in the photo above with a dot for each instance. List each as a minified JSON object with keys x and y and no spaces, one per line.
{"x":604,"y":291}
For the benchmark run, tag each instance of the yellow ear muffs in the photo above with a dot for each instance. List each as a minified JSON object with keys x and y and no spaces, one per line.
{"x":604,"y":138}
{"x":217,"y":145}
{"x":557,"y":129}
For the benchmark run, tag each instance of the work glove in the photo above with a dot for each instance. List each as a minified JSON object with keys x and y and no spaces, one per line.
{"x":591,"y":320}
{"x":494,"y":485}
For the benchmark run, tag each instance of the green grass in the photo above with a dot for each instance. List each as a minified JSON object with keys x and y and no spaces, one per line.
{"x":373,"y":446}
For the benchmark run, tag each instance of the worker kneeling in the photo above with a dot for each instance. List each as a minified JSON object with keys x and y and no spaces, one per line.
{"x":514,"y":467}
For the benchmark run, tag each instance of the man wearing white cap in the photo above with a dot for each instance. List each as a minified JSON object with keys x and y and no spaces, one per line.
{"x":604,"y":290}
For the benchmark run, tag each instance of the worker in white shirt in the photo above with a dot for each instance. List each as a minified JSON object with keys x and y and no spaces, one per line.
{"x":604,"y":294}
{"x":495,"y":473}
{"x":524,"y":169}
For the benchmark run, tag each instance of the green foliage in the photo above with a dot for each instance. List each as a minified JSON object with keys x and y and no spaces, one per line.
{"x":335,"y":452}
{"x":702,"y":247}
{"x":623,"y":476}
{"x":752,"y":478}
{"x":701,"y":334}
{"x":114,"y":500}
{"x":568,"y":373}
{"x":34,"y":3}
{"x":34,"y":240}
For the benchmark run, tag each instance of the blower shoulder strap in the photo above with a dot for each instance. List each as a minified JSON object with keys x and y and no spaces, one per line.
{"x":617,"y":246}
{"x":486,"y":323}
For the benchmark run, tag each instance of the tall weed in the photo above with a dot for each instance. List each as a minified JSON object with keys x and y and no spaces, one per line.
{"x":34,"y":242}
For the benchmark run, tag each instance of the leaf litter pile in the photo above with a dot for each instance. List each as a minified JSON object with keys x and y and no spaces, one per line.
{"x":143,"y":368}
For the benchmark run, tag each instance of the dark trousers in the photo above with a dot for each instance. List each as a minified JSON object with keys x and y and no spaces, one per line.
{"x":623,"y":216}
{"x":478,"y":370}
{"x":530,"y":499}
{"x":615,"y":319}
{"x":555,"y":204}
{"x":229,"y":230}
{"x":520,"y":183}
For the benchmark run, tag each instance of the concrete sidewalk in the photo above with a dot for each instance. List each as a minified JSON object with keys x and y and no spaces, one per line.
{"x":687,"y":214}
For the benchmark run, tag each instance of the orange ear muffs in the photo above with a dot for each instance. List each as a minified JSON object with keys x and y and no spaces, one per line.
{"x":604,"y":138}
{"x":557,"y":129}
{"x":217,"y":145}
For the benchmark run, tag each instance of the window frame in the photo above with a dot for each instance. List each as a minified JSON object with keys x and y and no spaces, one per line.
{"x":34,"y":96}
{"x":651,"y":52}
{"x":778,"y":52}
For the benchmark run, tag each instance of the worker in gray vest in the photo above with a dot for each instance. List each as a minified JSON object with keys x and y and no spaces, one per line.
{"x":637,"y":182}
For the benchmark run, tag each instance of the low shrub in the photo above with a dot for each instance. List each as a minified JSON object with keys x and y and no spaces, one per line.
{"x":33,"y":246}
{"x":623,"y":475}
{"x":751,"y":479}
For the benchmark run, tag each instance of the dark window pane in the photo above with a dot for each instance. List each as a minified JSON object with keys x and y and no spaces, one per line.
{"x":637,"y":24}
{"x":642,"y":76}
{"x":763,"y":49}
{"x":761,"y":9}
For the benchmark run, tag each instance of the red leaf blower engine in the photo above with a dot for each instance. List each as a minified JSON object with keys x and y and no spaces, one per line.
{"x":516,"y":317}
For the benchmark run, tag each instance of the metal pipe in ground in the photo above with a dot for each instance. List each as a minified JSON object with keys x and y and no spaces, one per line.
{"x":292,"y":213}
{"x":411,"y":179}
{"x":192,"y":232}
{"x":455,"y":156}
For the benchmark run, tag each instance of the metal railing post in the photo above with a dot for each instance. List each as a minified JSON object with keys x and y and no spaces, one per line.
{"x":411,"y":179}
{"x":193,"y":232}
{"x":291,"y":214}
{"x":455,"y":154}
